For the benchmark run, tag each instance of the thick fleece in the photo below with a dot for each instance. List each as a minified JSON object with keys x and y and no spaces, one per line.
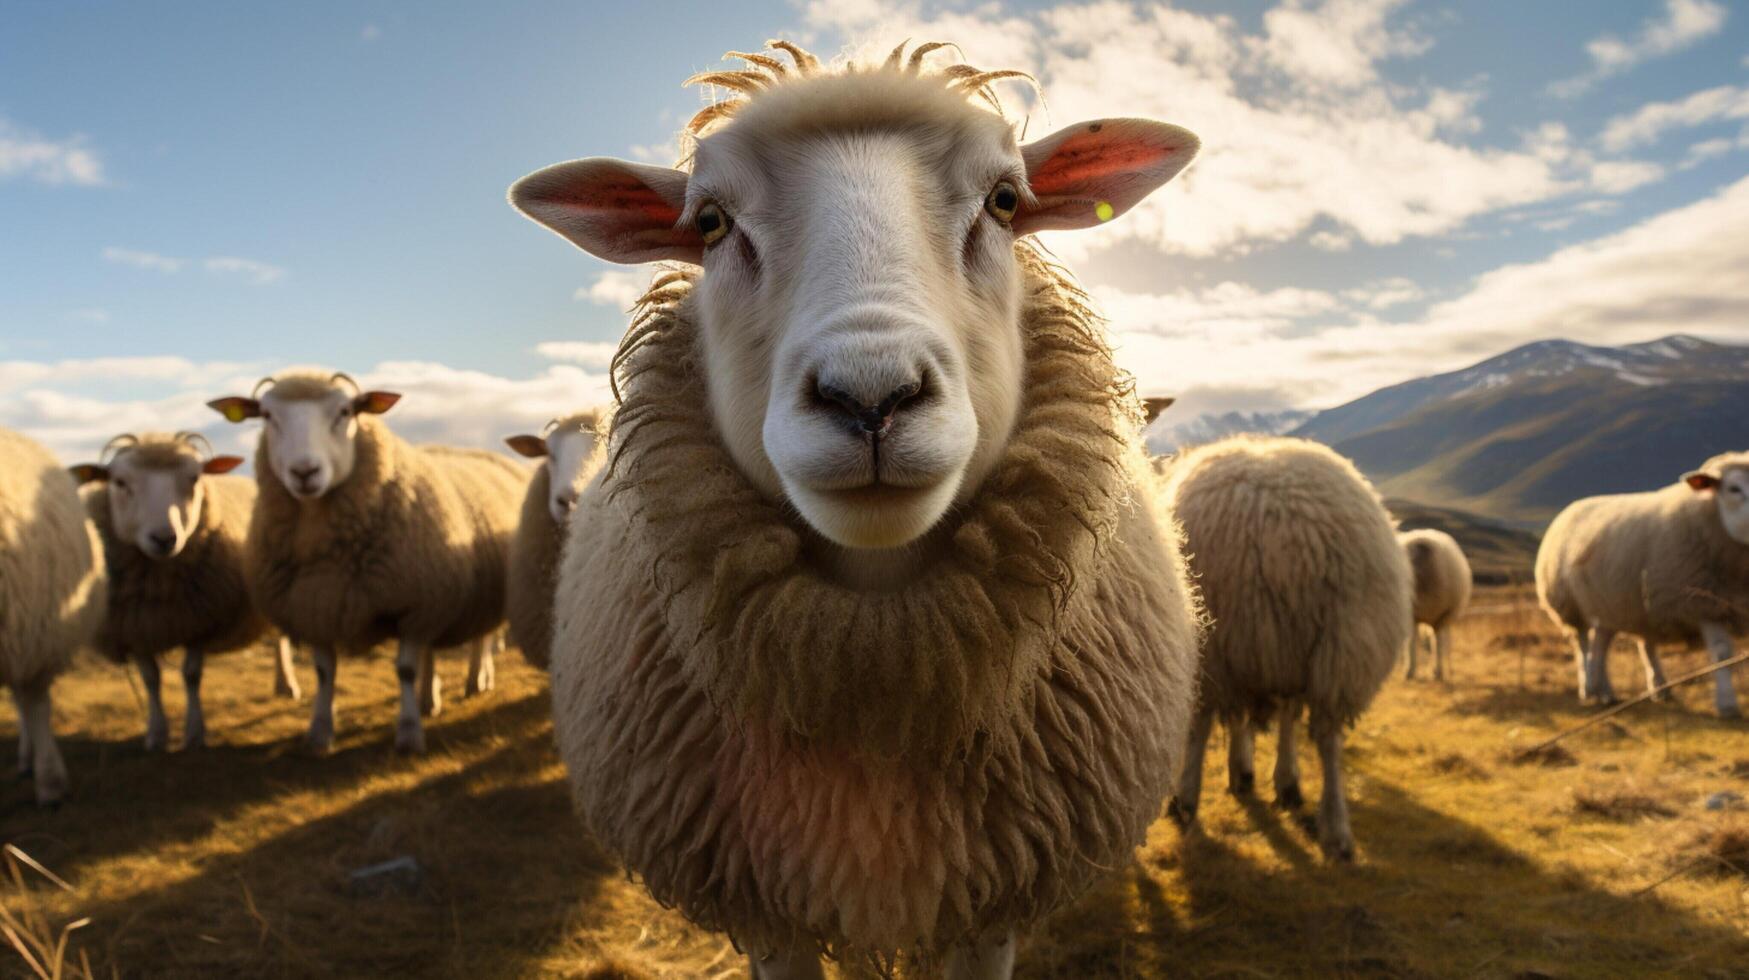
{"x":534,"y":554}
{"x":412,"y":545}
{"x":800,"y":764}
{"x":1442,"y":576}
{"x":198,"y":598}
{"x":1655,"y":564}
{"x":52,"y":581}
{"x":1299,"y":566}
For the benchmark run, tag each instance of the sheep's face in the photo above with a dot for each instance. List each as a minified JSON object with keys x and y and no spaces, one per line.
{"x":1729,"y":486}
{"x":564,"y":452}
{"x":860,"y":307}
{"x":156,"y":493}
{"x":309,"y":428}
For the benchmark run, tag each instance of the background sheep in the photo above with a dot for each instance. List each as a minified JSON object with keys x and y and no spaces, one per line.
{"x":571,"y":452}
{"x":862,"y":643}
{"x":52,"y":594}
{"x":359,"y":537}
{"x":1668,"y":566}
{"x":1309,"y":594}
{"x":173,"y":531}
{"x":1442,"y":591}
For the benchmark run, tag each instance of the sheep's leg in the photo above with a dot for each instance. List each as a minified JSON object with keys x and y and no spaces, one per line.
{"x":482,"y":667}
{"x":1597,"y":686}
{"x":409,"y":659}
{"x":34,"y":729}
{"x":1414,"y":648}
{"x":1718,"y":643}
{"x":1442,"y":651}
{"x":321,"y":737}
{"x":157,"y":727}
{"x":25,"y":759}
{"x":986,"y":960}
{"x":1334,"y":835}
{"x":788,"y":966}
{"x":1241,"y":773}
{"x":1654,"y":670}
{"x":1184,"y":802}
{"x":285,"y":678}
{"x":430,"y":683}
{"x":193,"y":718}
{"x":1287,"y":763}
{"x":1581,"y":639}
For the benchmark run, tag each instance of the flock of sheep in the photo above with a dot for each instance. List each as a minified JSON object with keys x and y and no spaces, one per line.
{"x":871,"y":628}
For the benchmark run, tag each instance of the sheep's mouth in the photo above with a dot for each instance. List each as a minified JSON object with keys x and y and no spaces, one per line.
{"x":877,"y":494}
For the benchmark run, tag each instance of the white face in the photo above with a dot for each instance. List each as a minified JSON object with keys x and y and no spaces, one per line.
{"x":1732,"y":498}
{"x":312,"y":441}
{"x":567,"y":451}
{"x":860,"y":322}
{"x":155,"y":508}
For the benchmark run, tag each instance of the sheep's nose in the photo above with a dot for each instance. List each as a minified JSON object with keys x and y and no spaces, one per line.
{"x":871,"y":415}
{"x":565,"y":501}
{"x":305,"y":471}
{"x":163,"y":541}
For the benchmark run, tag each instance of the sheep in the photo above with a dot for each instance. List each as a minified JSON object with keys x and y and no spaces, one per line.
{"x":1668,"y":566}
{"x":53,"y":588}
{"x":359,"y":537}
{"x":1310,"y":595}
{"x":1442,"y":591}
{"x":871,"y":637}
{"x":571,"y":451}
{"x":173,"y":528}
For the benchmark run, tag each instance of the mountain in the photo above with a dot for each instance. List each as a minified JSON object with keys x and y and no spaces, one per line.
{"x":1498,"y":554}
{"x":1165,"y":436}
{"x":1518,"y":436}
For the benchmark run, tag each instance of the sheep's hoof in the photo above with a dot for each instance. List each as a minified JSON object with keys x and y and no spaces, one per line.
{"x":1288,"y":797}
{"x":1243,"y":785}
{"x":288,"y":691}
{"x":156,"y":741}
{"x":1730,"y":711}
{"x":51,"y":789}
{"x":1339,"y":850}
{"x":1182,"y":814}
{"x":194,"y":740}
{"x":319,"y":744}
{"x":431,"y":698}
{"x":409,"y":737}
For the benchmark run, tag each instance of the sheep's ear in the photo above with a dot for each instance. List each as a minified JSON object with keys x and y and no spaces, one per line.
{"x":221,"y":464}
{"x":1154,"y":406}
{"x":534,"y":447}
{"x":614,"y":210}
{"x":375,"y":402}
{"x":89,"y":473}
{"x":1092,"y":172}
{"x":236,"y":409}
{"x":1700,"y":480}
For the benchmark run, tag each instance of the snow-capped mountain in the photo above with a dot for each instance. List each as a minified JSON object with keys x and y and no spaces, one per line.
{"x":1165,"y":437}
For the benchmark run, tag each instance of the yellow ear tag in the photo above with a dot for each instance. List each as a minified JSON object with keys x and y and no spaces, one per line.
{"x":234,"y":413}
{"x":1104,"y":210}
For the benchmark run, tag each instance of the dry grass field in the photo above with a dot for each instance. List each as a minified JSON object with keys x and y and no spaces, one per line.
{"x":1600,"y":860}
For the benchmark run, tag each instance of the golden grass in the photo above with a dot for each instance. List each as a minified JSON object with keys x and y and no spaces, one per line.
{"x":236,"y":859}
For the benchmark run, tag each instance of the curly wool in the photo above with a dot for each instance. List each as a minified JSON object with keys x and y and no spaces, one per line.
{"x":1301,"y":573}
{"x":1442,"y":575}
{"x":799,"y":764}
{"x":534,"y":554}
{"x":1654,"y":564}
{"x":412,"y":545}
{"x":53,"y":585}
{"x":198,"y":598}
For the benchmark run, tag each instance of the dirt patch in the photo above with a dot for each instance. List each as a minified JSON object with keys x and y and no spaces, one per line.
{"x":1619,"y":805}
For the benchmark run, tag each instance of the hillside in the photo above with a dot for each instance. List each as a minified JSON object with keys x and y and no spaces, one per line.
{"x":1498,"y":554}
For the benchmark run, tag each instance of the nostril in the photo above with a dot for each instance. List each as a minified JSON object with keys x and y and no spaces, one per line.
{"x":162,"y":541}
{"x":304,"y":472}
{"x":873,"y":419}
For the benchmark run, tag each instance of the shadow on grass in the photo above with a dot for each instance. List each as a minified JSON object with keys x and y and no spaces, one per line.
{"x":1432,"y":896}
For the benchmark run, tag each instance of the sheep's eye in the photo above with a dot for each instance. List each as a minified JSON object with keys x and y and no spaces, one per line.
{"x":713,"y":223}
{"x":1003,"y":201}
{"x":119,"y":484}
{"x":266,"y":416}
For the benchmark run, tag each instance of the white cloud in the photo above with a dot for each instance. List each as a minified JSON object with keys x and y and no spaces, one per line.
{"x":591,"y":354}
{"x":618,"y":288}
{"x":1385,"y":293}
{"x":1647,"y":123}
{"x":1621,"y":176}
{"x":1301,"y":136}
{"x":1683,"y":23}
{"x":259,"y":273}
{"x":1677,"y":272}
{"x":1705,"y":150}
{"x":28,"y":155}
{"x":142,"y":260}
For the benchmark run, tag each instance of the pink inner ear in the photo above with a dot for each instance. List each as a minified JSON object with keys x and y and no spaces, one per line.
{"x":1090,"y":157}
{"x":221,"y":464}
{"x":624,"y":201}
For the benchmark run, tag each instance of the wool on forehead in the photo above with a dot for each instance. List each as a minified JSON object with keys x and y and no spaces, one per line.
{"x":160,"y":451}
{"x":305,"y":385}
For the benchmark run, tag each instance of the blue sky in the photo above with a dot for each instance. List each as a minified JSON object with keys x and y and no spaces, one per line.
{"x":192,"y":194}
